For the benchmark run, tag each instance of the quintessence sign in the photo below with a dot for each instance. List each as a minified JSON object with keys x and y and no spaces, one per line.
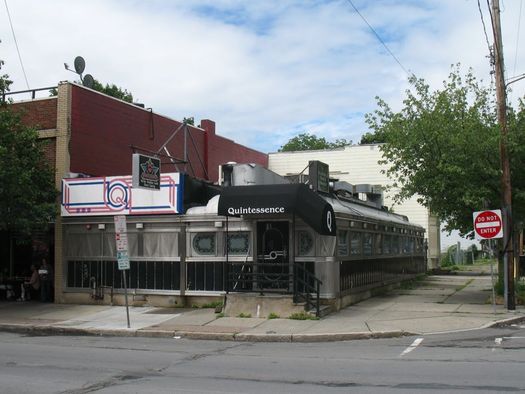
{"x":114,"y":195}
{"x":254,"y":211}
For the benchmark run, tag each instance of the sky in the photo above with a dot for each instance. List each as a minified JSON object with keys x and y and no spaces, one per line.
{"x":263,"y":70}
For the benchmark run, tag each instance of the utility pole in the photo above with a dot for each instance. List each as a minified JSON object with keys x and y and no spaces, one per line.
{"x":501,"y":98}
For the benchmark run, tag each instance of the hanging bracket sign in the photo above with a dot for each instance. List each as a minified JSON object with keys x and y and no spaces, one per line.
{"x":146,"y":172}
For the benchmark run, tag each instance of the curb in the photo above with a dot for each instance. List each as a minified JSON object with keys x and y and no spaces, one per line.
{"x":44,"y":330}
{"x":507,"y":322}
{"x":195,"y":335}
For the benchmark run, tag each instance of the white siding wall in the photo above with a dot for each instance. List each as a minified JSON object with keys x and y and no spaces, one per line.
{"x":358,"y":164}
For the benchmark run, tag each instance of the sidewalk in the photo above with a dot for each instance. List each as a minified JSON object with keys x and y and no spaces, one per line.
{"x":438,"y":304}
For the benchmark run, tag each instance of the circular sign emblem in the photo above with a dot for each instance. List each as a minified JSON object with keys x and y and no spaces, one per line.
{"x":487,"y":224}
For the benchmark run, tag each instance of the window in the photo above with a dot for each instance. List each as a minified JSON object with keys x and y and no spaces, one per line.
{"x":387,"y":244}
{"x":355,"y":243}
{"x":238,"y":243}
{"x":395,"y":244}
{"x":305,"y":243}
{"x":379,"y":243}
{"x":160,"y":244}
{"x":342,"y":242}
{"x":204,"y":244}
{"x":367,"y":244}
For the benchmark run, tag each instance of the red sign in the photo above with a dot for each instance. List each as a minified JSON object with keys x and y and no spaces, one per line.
{"x":488,"y":224}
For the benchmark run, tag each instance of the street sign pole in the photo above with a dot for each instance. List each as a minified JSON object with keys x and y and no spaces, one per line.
{"x":126,"y":295}
{"x":121,"y":239}
{"x":489,"y":225}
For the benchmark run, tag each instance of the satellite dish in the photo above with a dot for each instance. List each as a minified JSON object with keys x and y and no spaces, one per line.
{"x":88,"y":81}
{"x":80,"y":64}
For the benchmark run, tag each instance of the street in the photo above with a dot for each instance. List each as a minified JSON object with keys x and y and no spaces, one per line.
{"x":489,"y":360}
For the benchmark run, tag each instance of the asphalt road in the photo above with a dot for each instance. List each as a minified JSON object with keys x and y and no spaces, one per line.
{"x":490,"y":360}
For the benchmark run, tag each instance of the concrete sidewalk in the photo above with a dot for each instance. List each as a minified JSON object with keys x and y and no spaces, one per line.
{"x":434,"y":305}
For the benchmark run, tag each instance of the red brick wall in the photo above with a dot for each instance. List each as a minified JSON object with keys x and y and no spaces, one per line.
{"x":41,"y":113}
{"x":50,"y":150}
{"x":104,"y":128}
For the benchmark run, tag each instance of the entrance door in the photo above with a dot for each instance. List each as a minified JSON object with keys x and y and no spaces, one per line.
{"x":273,"y":254}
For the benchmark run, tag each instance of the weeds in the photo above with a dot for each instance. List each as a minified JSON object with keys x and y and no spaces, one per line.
{"x":302,"y":316}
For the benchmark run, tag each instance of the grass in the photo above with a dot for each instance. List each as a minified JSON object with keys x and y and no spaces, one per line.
{"x":245,"y":315}
{"x":302,"y":316}
{"x":273,"y":315}
{"x":209,"y":305}
{"x":412,"y":283}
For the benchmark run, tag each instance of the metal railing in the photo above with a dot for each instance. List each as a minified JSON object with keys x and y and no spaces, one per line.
{"x":32,"y":92}
{"x":279,"y":278}
{"x":306,"y":284}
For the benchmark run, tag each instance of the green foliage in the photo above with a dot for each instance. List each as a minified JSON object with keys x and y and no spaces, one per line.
{"x":376,"y":137}
{"x":190,"y":121}
{"x":302,"y":316}
{"x":273,"y":315}
{"x":520,"y":292}
{"x":307,"y":141}
{"x":213,"y":304}
{"x":443,"y":148}
{"x":244,"y":315}
{"x":27,"y":181}
{"x":111,"y":90}
{"x":5,"y":82}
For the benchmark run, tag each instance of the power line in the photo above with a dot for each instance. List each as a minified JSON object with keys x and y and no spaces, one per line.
{"x":485,"y":31}
{"x":16,"y":44}
{"x":517,"y":39}
{"x":378,"y":37}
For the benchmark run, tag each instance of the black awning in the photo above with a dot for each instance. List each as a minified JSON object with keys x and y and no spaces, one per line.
{"x":264,"y":200}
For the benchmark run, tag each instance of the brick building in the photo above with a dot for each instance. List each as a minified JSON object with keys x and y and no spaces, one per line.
{"x":92,"y":134}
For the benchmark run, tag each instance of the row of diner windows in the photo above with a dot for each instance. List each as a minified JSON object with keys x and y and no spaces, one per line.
{"x":214,"y":244}
{"x":353,"y":243}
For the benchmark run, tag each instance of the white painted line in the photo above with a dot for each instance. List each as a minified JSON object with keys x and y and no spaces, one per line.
{"x":414,"y":345}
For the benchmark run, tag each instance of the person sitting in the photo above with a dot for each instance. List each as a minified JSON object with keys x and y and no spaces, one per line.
{"x":46,"y":281}
{"x":30,"y":289}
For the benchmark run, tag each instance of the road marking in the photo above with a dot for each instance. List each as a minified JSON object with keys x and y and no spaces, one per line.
{"x":414,"y":345}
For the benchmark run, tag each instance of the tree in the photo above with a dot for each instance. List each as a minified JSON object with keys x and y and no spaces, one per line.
{"x":27,"y":181}
{"x":372,"y":138}
{"x":307,"y":141}
{"x":443,"y":148}
{"x":111,"y":90}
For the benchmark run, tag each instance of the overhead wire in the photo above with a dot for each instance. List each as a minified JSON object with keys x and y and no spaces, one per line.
{"x":379,"y":38}
{"x":16,"y":43}
{"x":517,"y":38}
{"x":491,"y":57}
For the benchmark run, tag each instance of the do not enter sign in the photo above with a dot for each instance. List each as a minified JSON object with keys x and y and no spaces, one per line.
{"x":488,"y":224}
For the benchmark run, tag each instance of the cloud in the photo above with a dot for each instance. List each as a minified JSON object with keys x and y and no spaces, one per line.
{"x":264,"y":71}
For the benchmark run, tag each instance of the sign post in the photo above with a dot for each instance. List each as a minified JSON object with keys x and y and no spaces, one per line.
{"x":121,"y":239}
{"x":488,"y":225}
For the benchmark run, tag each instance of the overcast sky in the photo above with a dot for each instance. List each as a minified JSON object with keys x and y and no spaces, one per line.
{"x":264,"y":70}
